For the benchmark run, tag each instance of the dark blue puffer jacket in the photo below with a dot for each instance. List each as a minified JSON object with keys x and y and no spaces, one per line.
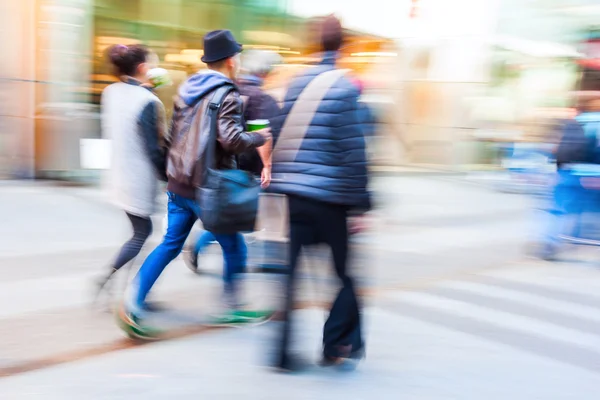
{"x":331,"y":164}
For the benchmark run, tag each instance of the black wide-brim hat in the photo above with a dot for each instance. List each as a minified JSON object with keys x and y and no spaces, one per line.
{"x":219,"y":45}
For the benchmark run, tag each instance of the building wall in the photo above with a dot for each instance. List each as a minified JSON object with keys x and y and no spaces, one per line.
{"x":48,"y":97}
{"x":17,"y":86}
{"x":444,"y":63}
{"x":45,"y":62}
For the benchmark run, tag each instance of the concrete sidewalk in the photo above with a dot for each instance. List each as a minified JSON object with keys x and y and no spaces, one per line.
{"x":422,"y":344}
{"x":55,"y":240}
{"x":39,"y":218}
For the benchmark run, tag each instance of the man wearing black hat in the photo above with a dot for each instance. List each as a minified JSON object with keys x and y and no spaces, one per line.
{"x":190,"y":129}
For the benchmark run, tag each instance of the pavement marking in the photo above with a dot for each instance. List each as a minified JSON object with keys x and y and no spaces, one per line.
{"x":503,"y":319}
{"x":556,"y":276}
{"x":568,"y":296}
{"x":456,"y":275}
{"x":530,"y":299}
{"x":520,"y":308}
{"x":571,"y":354}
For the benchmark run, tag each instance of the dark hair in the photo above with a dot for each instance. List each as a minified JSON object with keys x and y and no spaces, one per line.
{"x":332,"y":34}
{"x":217,"y":64}
{"x":126,"y":59}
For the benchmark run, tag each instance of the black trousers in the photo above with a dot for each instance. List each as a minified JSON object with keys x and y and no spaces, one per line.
{"x":142,"y":229}
{"x":313,"y":222}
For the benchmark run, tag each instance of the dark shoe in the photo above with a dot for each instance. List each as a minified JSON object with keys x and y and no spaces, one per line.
{"x":292,"y":364}
{"x":547,"y":252}
{"x":190,"y":258}
{"x":341,"y":363}
{"x":349,"y":363}
{"x":153,"y":306}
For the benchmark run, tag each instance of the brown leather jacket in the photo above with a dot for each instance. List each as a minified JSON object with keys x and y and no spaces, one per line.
{"x":189,"y":133}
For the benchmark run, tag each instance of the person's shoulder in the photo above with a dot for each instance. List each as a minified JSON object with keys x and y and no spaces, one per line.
{"x":249,"y":90}
{"x":149,"y":95}
{"x":112,"y":88}
{"x":232,"y":92}
{"x":307,"y":75}
{"x":114,"y":92}
{"x":346,"y":84}
{"x":232,"y":101}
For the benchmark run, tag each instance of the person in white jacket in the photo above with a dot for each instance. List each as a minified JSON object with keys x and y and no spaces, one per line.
{"x":133,"y":118}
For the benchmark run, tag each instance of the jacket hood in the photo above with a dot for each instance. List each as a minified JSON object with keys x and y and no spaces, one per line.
{"x":200,"y":84}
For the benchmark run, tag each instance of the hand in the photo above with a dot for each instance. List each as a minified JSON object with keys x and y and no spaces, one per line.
{"x":265,"y":177}
{"x":358,"y":224}
{"x":266,"y":133}
{"x":591,"y":183}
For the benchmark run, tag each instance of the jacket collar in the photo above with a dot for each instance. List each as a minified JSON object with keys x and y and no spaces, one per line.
{"x":329,"y":57}
{"x":251,"y":80}
{"x":130,"y":80}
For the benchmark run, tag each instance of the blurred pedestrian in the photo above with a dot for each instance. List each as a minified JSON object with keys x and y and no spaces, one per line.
{"x":320,"y":163}
{"x":185,"y":166}
{"x":258,"y":105}
{"x":133,"y":118}
{"x":577,"y":151}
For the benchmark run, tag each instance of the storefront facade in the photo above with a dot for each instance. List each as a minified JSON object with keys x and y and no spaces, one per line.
{"x":54,"y":69}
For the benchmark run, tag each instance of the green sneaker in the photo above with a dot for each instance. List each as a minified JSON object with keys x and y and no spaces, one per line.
{"x":255,"y":314}
{"x":131,"y":325}
{"x":242,"y":317}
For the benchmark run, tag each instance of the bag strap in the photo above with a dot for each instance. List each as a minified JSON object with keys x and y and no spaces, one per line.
{"x":302,"y":113}
{"x":212,"y":111}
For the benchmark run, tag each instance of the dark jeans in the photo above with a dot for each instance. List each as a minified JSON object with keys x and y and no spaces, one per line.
{"x":313,"y":222}
{"x":142,"y":229}
{"x":234,"y":263}
{"x":182,"y":215}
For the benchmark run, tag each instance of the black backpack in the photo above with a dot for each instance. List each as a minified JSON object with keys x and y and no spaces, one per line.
{"x":574,"y":146}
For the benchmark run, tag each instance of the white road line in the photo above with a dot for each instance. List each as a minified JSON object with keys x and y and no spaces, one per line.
{"x":571,"y":279}
{"x":501,"y":319}
{"x":542,"y":302}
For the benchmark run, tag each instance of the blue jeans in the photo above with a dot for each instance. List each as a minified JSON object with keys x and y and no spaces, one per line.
{"x":235,"y":262}
{"x":566,"y":205}
{"x":182,"y":215}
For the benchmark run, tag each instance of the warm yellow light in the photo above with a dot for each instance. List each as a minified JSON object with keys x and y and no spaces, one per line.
{"x":302,"y":60}
{"x":264,"y":47}
{"x":196,"y":52}
{"x":374,"y":54}
{"x":109,"y":40}
{"x":183,"y":58}
{"x":276,"y":38}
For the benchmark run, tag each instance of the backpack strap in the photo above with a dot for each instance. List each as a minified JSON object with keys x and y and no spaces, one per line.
{"x":302,"y":113}
{"x":214,"y":105}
